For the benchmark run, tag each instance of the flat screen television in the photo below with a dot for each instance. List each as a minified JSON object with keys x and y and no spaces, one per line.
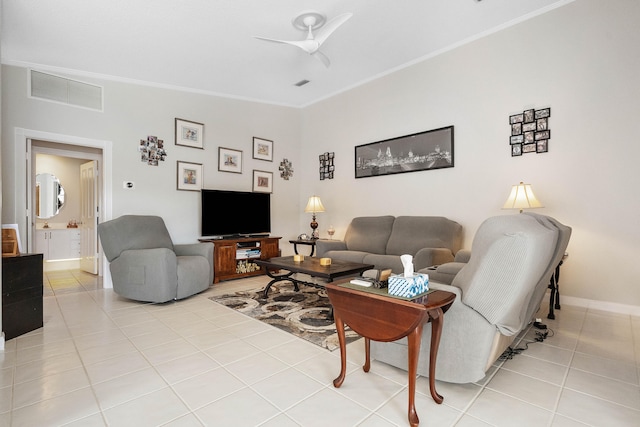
{"x":235,"y":213}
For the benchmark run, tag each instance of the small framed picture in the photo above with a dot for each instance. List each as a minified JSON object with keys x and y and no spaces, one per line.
{"x":189,"y":134}
{"x":528,"y":137}
{"x":542,"y":124}
{"x":516,"y":139}
{"x":529,"y":148}
{"x":527,"y":127}
{"x":516,"y":150}
{"x":189,"y":176}
{"x":262,"y":181}
{"x":516,"y":129}
{"x":542,"y":146}
{"x":543,"y":134}
{"x":516,"y":118}
{"x":545,"y":112}
{"x":229,"y":160}
{"x":529,"y":116}
{"x":262,"y":149}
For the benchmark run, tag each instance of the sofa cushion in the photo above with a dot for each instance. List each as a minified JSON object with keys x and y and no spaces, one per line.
{"x":369,"y":233}
{"x":412,"y":233}
{"x":350,"y":256}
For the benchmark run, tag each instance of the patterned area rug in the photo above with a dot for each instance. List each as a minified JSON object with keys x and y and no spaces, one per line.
{"x":305,"y":314}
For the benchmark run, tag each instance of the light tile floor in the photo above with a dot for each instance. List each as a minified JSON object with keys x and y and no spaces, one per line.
{"x":103,"y":360}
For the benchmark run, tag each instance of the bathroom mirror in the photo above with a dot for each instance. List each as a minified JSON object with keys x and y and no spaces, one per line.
{"x":49,"y":195}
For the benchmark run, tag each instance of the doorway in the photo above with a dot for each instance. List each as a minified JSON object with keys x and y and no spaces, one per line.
{"x":66,"y":204}
{"x":22,"y":200}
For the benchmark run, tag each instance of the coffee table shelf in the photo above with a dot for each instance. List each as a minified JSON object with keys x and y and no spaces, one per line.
{"x":310,"y":266}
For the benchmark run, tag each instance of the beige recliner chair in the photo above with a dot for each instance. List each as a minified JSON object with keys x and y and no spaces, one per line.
{"x":145,"y":265}
{"x":497,"y":292}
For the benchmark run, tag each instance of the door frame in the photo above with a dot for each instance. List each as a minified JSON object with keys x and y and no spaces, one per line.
{"x":23,"y":174}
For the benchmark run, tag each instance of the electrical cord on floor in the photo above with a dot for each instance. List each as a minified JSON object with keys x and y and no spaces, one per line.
{"x":541,"y":334}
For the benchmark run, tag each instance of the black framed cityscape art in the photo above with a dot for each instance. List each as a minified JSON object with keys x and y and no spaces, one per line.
{"x":432,"y":149}
{"x":530,"y":132}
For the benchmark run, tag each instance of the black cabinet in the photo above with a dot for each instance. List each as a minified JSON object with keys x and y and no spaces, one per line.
{"x":21,"y":294}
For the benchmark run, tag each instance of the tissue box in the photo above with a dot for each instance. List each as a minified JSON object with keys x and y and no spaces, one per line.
{"x":408,"y":287}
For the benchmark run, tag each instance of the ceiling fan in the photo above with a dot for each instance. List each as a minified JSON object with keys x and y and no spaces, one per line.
{"x":309,"y":21}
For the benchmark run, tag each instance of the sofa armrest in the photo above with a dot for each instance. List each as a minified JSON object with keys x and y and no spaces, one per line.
{"x":324,"y":246}
{"x":426,"y":257}
{"x":449,"y":288}
{"x":204,"y":249}
{"x":463,"y":255}
{"x":445,"y":273}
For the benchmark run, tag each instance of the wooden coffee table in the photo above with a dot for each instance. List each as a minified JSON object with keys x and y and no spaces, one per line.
{"x":310,"y":266}
{"x":384,"y":318}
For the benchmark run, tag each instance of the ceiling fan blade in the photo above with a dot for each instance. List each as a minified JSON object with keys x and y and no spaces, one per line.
{"x":274,"y":40}
{"x":308,"y":46}
{"x":322,"y":57}
{"x":324,"y":32}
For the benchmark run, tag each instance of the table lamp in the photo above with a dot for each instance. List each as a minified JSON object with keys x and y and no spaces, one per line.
{"x":522,"y":197}
{"x":314,"y":205}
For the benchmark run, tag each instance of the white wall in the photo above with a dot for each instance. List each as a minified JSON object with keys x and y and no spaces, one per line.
{"x":132,"y":113}
{"x":583,"y":61}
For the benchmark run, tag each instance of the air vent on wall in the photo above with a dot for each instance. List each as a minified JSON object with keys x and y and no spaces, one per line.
{"x":63,"y":90}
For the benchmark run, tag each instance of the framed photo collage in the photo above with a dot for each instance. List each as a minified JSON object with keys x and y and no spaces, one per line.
{"x":530,"y":132}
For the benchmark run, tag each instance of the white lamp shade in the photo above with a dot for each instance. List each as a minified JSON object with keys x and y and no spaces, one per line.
{"x":522,"y":197}
{"x":314,"y":205}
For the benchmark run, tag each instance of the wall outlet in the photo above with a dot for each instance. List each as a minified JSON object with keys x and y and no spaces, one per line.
{"x":128,"y":185}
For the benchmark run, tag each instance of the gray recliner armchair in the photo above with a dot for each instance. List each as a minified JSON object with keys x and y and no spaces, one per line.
{"x":146,"y":266}
{"x":497,"y":292}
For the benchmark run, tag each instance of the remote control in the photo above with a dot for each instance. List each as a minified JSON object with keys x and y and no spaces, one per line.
{"x":361,"y":282}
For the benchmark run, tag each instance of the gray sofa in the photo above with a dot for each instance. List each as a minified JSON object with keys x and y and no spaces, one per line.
{"x":498,"y":291}
{"x":146,"y":266}
{"x":380,"y":240}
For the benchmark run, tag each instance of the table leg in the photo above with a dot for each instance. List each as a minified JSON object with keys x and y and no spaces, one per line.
{"x":367,"y":355}
{"x":437,"y":316}
{"x":279,"y":278}
{"x":343,"y":352}
{"x":413,"y":340}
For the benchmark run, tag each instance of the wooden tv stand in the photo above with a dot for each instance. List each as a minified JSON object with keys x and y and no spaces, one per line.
{"x":232,"y":257}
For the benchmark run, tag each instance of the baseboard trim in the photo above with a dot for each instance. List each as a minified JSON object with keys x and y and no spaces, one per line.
{"x":632,"y":310}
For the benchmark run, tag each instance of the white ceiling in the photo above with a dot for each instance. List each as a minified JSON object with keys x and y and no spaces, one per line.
{"x":208,"y":46}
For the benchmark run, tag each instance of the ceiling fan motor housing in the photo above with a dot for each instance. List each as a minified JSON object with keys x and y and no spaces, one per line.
{"x":309,"y":18}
